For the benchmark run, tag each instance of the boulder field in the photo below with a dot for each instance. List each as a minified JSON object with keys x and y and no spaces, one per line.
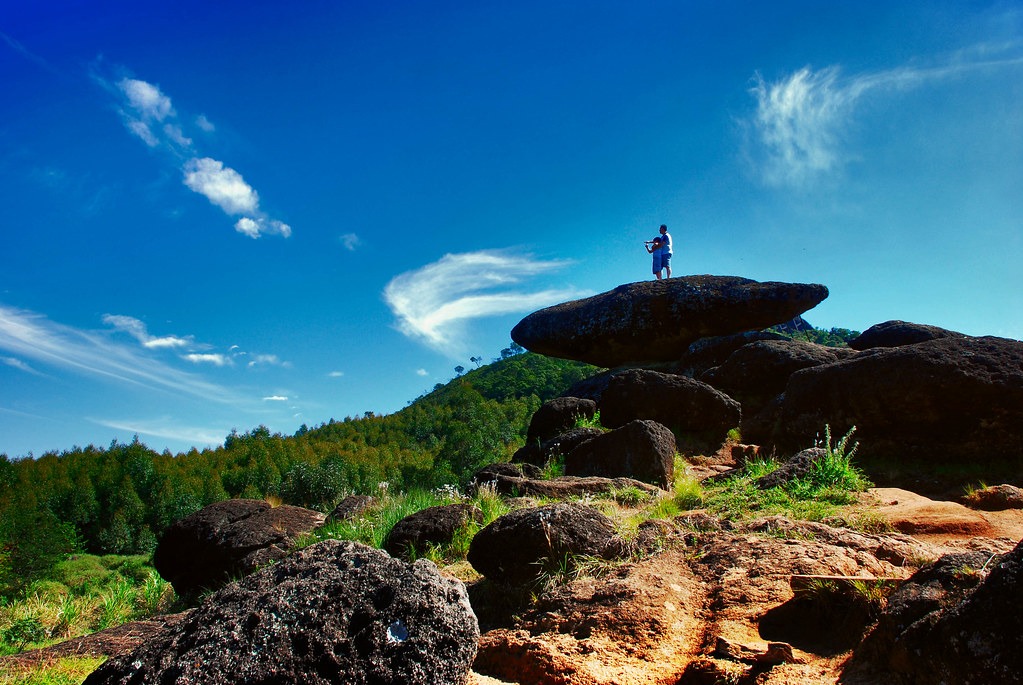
{"x":932,"y":595}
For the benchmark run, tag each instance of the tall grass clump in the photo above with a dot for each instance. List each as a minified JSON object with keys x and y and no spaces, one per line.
{"x":85,"y":593}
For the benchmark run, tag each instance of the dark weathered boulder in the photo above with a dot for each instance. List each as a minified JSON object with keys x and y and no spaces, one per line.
{"x":757,"y":373}
{"x":335,"y":612}
{"x":644,"y":450}
{"x":706,"y":353}
{"x":944,"y":400}
{"x":995,"y":498}
{"x":959,"y":620}
{"x":415,"y":533}
{"x":521,"y":545}
{"x":567,"y":487}
{"x":491,"y":472}
{"x":557,"y":416}
{"x":350,"y":507}
{"x":899,"y":333}
{"x":793,"y":469}
{"x":653,"y":321}
{"x":688,"y":407}
{"x":558,"y":446}
{"x":229,"y":539}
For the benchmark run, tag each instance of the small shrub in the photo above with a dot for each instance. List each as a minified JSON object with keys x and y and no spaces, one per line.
{"x":591,"y":422}
{"x":629,"y":495}
{"x":665,"y":508}
{"x":555,"y":467}
{"x":23,"y":632}
{"x":687,"y":493}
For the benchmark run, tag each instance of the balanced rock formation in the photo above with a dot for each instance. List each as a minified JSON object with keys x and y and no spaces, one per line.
{"x":657,"y":320}
{"x":335,"y":612}
{"x":204,"y":550}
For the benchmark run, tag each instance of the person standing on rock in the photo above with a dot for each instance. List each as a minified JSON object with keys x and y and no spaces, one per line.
{"x":660,"y":248}
{"x":654,"y":248}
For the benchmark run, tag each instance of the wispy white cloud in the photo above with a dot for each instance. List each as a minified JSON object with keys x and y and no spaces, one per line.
{"x":335,"y":374}
{"x":149,"y":114}
{"x":213,"y":358}
{"x":223,"y":186}
{"x":205,"y":124}
{"x":166,"y":428}
{"x":268,"y":360}
{"x":350,"y":241}
{"x":422,"y":372}
{"x":800,"y":121}
{"x":137,"y":329}
{"x":434,"y":303}
{"x":18,"y":364}
{"x":25,"y":52}
{"x":275,"y":398}
{"x":146,"y":99}
{"x":260,"y":226}
{"x":31,"y":336}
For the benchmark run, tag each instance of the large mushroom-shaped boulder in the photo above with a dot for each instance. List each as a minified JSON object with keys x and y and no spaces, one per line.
{"x":518,"y":547}
{"x":657,"y":320}
{"x":228,"y":539}
{"x":335,"y":612}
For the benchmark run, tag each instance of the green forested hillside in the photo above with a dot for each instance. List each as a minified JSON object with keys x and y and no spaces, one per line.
{"x":120,"y":498}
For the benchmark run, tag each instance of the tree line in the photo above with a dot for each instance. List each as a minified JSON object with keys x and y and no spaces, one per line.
{"x":119,"y":499}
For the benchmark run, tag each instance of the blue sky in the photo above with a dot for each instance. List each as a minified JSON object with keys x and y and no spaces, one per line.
{"x":220,"y":215}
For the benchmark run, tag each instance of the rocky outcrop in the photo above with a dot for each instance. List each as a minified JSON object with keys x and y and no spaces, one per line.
{"x":899,"y":333}
{"x":689,"y":408}
{"x":795,"y":468}
{"x":433,"y":526}
{"x":350,"y":507}
{"x":757,"y":373}
{"x":995,"y":498}
{"x":518,"y":547}
{"x":229,"y":539}
{"x":333,"y":612}
{"x":959,"y":620}
{"x":940,"y":400}
{"x":563,"y":487}
{"x":558,"y":416}
{"x":554,"y":448}
{"x":655,"y":321}
{"x":644,"y":450}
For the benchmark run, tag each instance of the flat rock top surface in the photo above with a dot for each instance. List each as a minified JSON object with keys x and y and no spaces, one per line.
{"x":657,"y":320}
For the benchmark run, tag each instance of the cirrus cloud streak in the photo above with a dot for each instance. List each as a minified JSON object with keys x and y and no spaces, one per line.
{"x":434,"y":303}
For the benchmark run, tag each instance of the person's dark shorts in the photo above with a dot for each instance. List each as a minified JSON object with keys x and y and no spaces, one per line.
{"x":665,"y":260}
